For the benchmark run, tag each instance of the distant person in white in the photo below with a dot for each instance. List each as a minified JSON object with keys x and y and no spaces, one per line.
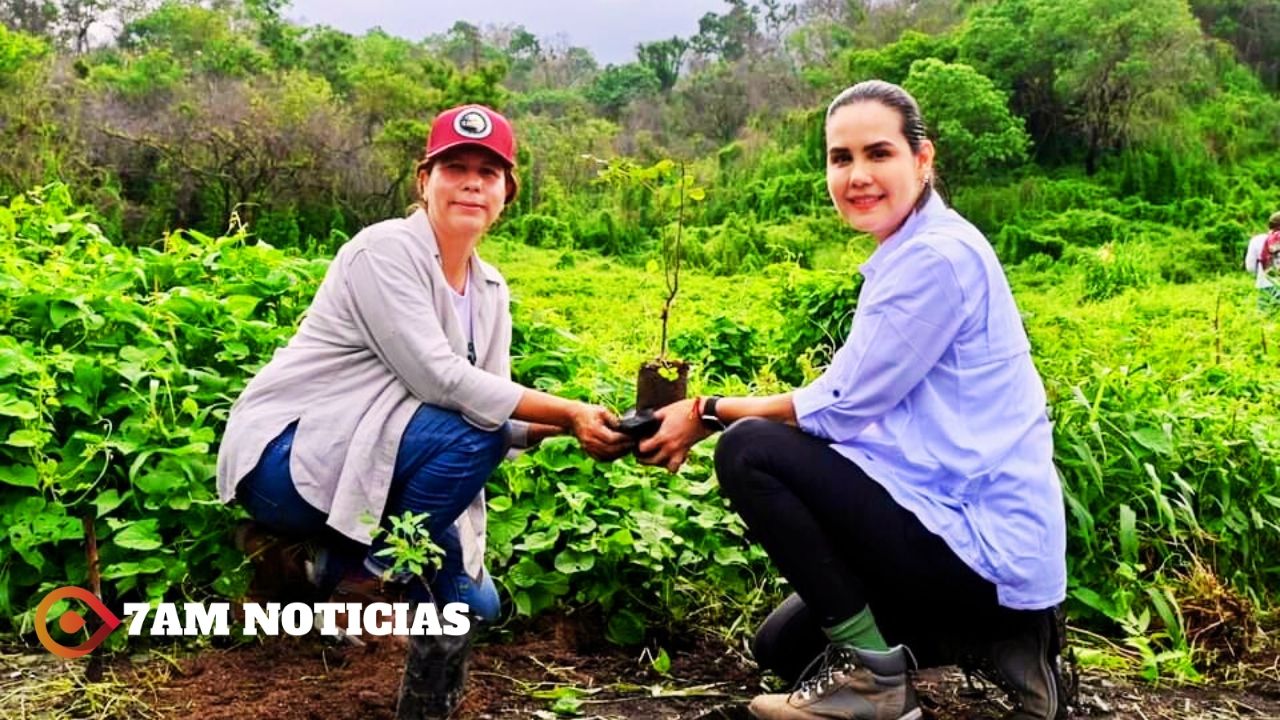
{"x":1263,"y":259}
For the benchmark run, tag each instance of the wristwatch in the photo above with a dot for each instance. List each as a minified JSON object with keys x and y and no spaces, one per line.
{"x":710,"y":420}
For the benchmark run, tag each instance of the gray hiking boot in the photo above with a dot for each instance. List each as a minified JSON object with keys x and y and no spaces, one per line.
{"x":851,"y":684}
{"x":1030,"y":667}
{"x":435,"y":676}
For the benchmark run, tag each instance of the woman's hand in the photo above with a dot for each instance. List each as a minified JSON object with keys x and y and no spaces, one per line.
{"x":595,"y":428}
{"x":680,"y":430}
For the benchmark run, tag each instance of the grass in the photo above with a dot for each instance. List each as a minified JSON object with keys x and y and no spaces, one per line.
{"x":41,"y":686}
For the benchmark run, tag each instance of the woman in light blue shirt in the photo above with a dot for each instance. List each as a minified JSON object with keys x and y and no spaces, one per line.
{"x":908,"y":494}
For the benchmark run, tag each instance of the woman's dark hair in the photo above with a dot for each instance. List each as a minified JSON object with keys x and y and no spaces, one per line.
{"x":892,"y":97}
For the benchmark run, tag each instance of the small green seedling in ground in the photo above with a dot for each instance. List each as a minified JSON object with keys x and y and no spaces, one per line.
{"x":409,"y":545}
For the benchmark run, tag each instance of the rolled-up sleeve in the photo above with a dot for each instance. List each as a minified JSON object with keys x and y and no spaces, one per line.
{"x":395,"y":315}
{"x":907,"y":320}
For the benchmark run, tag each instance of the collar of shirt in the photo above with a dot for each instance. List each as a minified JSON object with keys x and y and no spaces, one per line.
{"x":933,"y":207}
{"x":422,"y":228}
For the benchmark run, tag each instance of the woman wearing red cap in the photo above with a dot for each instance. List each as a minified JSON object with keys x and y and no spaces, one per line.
{"x":395,"y":396}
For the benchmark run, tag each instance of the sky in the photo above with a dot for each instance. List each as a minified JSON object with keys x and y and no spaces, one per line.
{"x":610,"y":29}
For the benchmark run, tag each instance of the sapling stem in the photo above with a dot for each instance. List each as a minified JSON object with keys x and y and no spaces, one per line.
{"x":93,"y":673}
{"x":671,"y":271}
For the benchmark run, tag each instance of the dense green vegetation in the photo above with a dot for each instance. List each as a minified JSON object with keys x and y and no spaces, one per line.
{"x":1118,"y":168}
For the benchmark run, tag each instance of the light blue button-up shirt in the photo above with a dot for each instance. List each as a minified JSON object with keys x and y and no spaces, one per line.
{"x":935,"y":396}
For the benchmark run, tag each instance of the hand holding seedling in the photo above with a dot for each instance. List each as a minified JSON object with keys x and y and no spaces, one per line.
{"x":681,"y":429}
{"x":595,"y":427}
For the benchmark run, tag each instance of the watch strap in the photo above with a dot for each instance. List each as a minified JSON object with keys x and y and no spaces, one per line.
{"x":710,"y":419}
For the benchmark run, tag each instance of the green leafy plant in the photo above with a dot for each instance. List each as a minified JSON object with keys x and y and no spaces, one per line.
{"x":410,"y":548}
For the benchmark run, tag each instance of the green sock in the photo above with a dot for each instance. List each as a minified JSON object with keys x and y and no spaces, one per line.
{"x":859,"y":631}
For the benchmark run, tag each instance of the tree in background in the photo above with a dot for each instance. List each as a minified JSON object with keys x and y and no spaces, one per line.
{"x":714,"y":104}
{"x":886,"y":20}
{"x":826,"y":30}
{"x":619,"y":85}
{"x":970,"y":119}
{"x":726,"y":36}
{"x":279,"y":37}
{"x":330,"y":54}
{"x":209,"y":40}
{"x":1099,"y":67}
{"x":664,"y":58}
{"x":463,"y":45}
{"x":35,"y":147}
{"x":892,"y":62}
{"x":523,"y":53}
{"x":1120,"y":87}
{"x":1113,"y":60}
{"x":1253,"y":29}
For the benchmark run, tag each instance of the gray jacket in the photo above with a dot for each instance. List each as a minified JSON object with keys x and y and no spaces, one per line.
{"x":379,"y":339}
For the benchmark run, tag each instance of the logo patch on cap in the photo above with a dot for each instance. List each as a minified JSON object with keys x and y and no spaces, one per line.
{"x":473,"y":124}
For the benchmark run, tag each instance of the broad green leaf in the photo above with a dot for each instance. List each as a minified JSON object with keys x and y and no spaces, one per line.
{"x":525,"y":574}
{"x":571,"y":562}
{"x":140,"y":535}
{"x":20,"y":475}
{"x":1153,"y":439}
{"x":125,"y":569}
{"x":241,"y":306}
{"x":27,"y":438}
{"x":158,"y":482}
{"x":539,"y":541}
{"x":729,"y":555}
{"x":625,"y":628}
{"x":14,"y":362}
{"x":62,"y":312}
{"x":108,"y":500}
{"x":15,"y":408}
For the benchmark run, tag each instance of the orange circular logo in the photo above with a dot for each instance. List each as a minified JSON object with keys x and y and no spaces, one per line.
{"x":71,"y":621}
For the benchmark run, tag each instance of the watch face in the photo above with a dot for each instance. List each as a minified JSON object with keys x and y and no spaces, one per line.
{"x":709,"y":418}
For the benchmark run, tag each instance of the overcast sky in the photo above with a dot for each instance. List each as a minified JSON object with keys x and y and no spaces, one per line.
{"x":610,"y":29}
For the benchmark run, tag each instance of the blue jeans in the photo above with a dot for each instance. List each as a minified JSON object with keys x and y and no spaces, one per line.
{"x":441,"y":465}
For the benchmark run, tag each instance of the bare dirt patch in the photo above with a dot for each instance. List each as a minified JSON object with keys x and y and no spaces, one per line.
{"x":523,"y":674}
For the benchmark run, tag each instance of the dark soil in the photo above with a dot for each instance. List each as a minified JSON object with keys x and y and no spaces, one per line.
{"x":517,"y":677}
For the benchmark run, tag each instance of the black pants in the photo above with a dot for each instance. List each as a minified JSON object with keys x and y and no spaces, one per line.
{"x":843,"y":543}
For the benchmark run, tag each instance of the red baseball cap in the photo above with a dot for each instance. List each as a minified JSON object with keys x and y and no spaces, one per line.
{"x":472,"y":125}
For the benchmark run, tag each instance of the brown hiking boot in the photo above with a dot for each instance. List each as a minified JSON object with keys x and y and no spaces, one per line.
{"x":361,"y":586}
{"x":281,"y":568}
{"x":851,"y":684}
{"x":1030,"y":667}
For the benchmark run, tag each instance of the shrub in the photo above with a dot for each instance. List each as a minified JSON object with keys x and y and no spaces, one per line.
{"x":1084,"y":227}
{"x":991,"y":207}
{"x":1231,"y":239}
{"x":1112,"y":269}
{"x":543,"y":231}
{"x":818,"y":312}
{"x":722,"y":348}
{"x":1015,"y":243}
{"x":976,"y":134}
